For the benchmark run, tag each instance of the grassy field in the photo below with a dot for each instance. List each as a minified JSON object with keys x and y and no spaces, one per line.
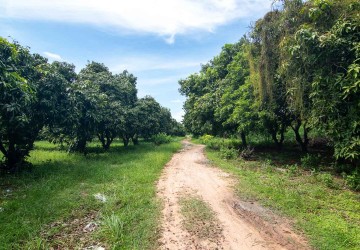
{"x":318,"y":203}
{"x":54,"y":205}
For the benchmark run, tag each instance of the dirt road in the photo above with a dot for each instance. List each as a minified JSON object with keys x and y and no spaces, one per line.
{"x":244,"y":225}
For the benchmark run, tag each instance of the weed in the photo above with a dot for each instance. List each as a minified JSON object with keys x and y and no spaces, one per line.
{"x":228,"y":153}
{"x":293,"y":170}
{"x":310,"y":161}
{"x":199,"y":219}
{"x":353,"y":180}
{"x":327,"y":179}
{"x":114,"y":227}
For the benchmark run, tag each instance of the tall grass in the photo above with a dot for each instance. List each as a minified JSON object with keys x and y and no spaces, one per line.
{"x":48,"y":206}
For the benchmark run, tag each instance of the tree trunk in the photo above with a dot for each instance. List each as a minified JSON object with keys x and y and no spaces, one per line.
{"x":282,"y":137}
{"x":80,"y":146}
{"x":14,"y":157}
{"x":278,"y":142}
{"x":102,"y":140}
{"x":109,"y":140}
{"x":135,"y":139}
{"x":243,"y":139}
{"x":125,"y":140}
{"x":106,"y":139}
{"x":2,"y":149}
{"x":302,"y":142}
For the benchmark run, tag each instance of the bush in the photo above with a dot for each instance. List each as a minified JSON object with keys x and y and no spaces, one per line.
{"x":232,"y":143}
{"x":353,"y":180}
{"x":293,"y":170}
{"x":328,"y":180}
{"x":341,"y":167}
{"x":215,"y":144}
{"x":228,"y":153}
{"x":161,"y":138}
{"x":310,"y":161}
{"x":206,"y":138}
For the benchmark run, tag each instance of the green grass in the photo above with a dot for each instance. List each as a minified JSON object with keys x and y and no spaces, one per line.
{"x":199,"y":219}
{"x":49,"y":206}
{"x":318,"y":203}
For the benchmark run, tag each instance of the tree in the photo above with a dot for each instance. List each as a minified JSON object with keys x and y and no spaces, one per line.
{"x":148,"y":112}
{"x":321,"y":65}
{"x":270,"y":88}
{"x":91,"y":103}
{"x":236,"y":108}
{"x":33,"y":95}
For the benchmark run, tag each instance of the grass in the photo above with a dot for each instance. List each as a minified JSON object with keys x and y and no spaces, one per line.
{"x":318,"y":203}
{"x":199,"y":219}
{"x":51,"y":205}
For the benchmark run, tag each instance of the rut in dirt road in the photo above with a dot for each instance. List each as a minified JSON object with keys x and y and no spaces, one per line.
{"x":242,"y":223}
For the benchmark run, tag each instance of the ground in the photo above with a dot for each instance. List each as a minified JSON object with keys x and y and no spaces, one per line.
{"x":197,"y":196}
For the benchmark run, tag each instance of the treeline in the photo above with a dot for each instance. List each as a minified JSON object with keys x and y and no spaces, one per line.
{"x":53,"y":101}
{"x":298,"y":69}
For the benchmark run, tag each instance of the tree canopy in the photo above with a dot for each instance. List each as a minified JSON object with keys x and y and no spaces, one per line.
{"x":298,"y":69}
{"x":37,"y":96}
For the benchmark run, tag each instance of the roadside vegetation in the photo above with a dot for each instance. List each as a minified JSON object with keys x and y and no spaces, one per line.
{"x":69,"y":201}
{"x":297,"y":71}
{"x":300,"y":186}
{"x":280,"y":110}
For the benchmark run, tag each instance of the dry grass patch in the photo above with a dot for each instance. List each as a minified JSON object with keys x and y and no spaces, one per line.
{"x":199,"y":219}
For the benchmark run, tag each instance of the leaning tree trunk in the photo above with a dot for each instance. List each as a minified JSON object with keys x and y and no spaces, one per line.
{"x":303,"y":142}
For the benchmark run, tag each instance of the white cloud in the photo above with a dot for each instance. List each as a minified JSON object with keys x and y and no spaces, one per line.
{"x":160,"y":81}
{"x":52,"y":56}
{"x":149,"y":62}
{"x":166,"y":18}
{"x":178,"y":115}
{"x":176,"y":101}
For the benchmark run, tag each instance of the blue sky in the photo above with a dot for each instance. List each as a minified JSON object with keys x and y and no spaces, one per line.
{"x":159,"y":41}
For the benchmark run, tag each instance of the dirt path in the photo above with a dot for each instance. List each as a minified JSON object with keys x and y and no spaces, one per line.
{"x":245,"y":225}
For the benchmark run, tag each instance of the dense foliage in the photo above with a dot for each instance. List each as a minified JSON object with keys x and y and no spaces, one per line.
{"x":298,"y":69}
{"x":52,"y":100}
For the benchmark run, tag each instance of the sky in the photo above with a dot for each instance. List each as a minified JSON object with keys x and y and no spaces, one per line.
{"x":159,"y":41}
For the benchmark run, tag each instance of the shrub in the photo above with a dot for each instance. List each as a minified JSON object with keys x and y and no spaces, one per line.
{"x":353,"y":180}
{"x":328,"y":180}
{"x":161,"y":138}
{"x":232,"y":143}
{"x":341,"y":167}
{"x":206,"y":138}
{"x":310,"y":161}
{"x":293,"y":170}
{"x":228,"y":153}
{"x":215,"y":144}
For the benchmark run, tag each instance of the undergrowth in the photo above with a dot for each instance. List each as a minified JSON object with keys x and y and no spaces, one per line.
{"x":49,"y":206}
{"x":320,"y":203}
